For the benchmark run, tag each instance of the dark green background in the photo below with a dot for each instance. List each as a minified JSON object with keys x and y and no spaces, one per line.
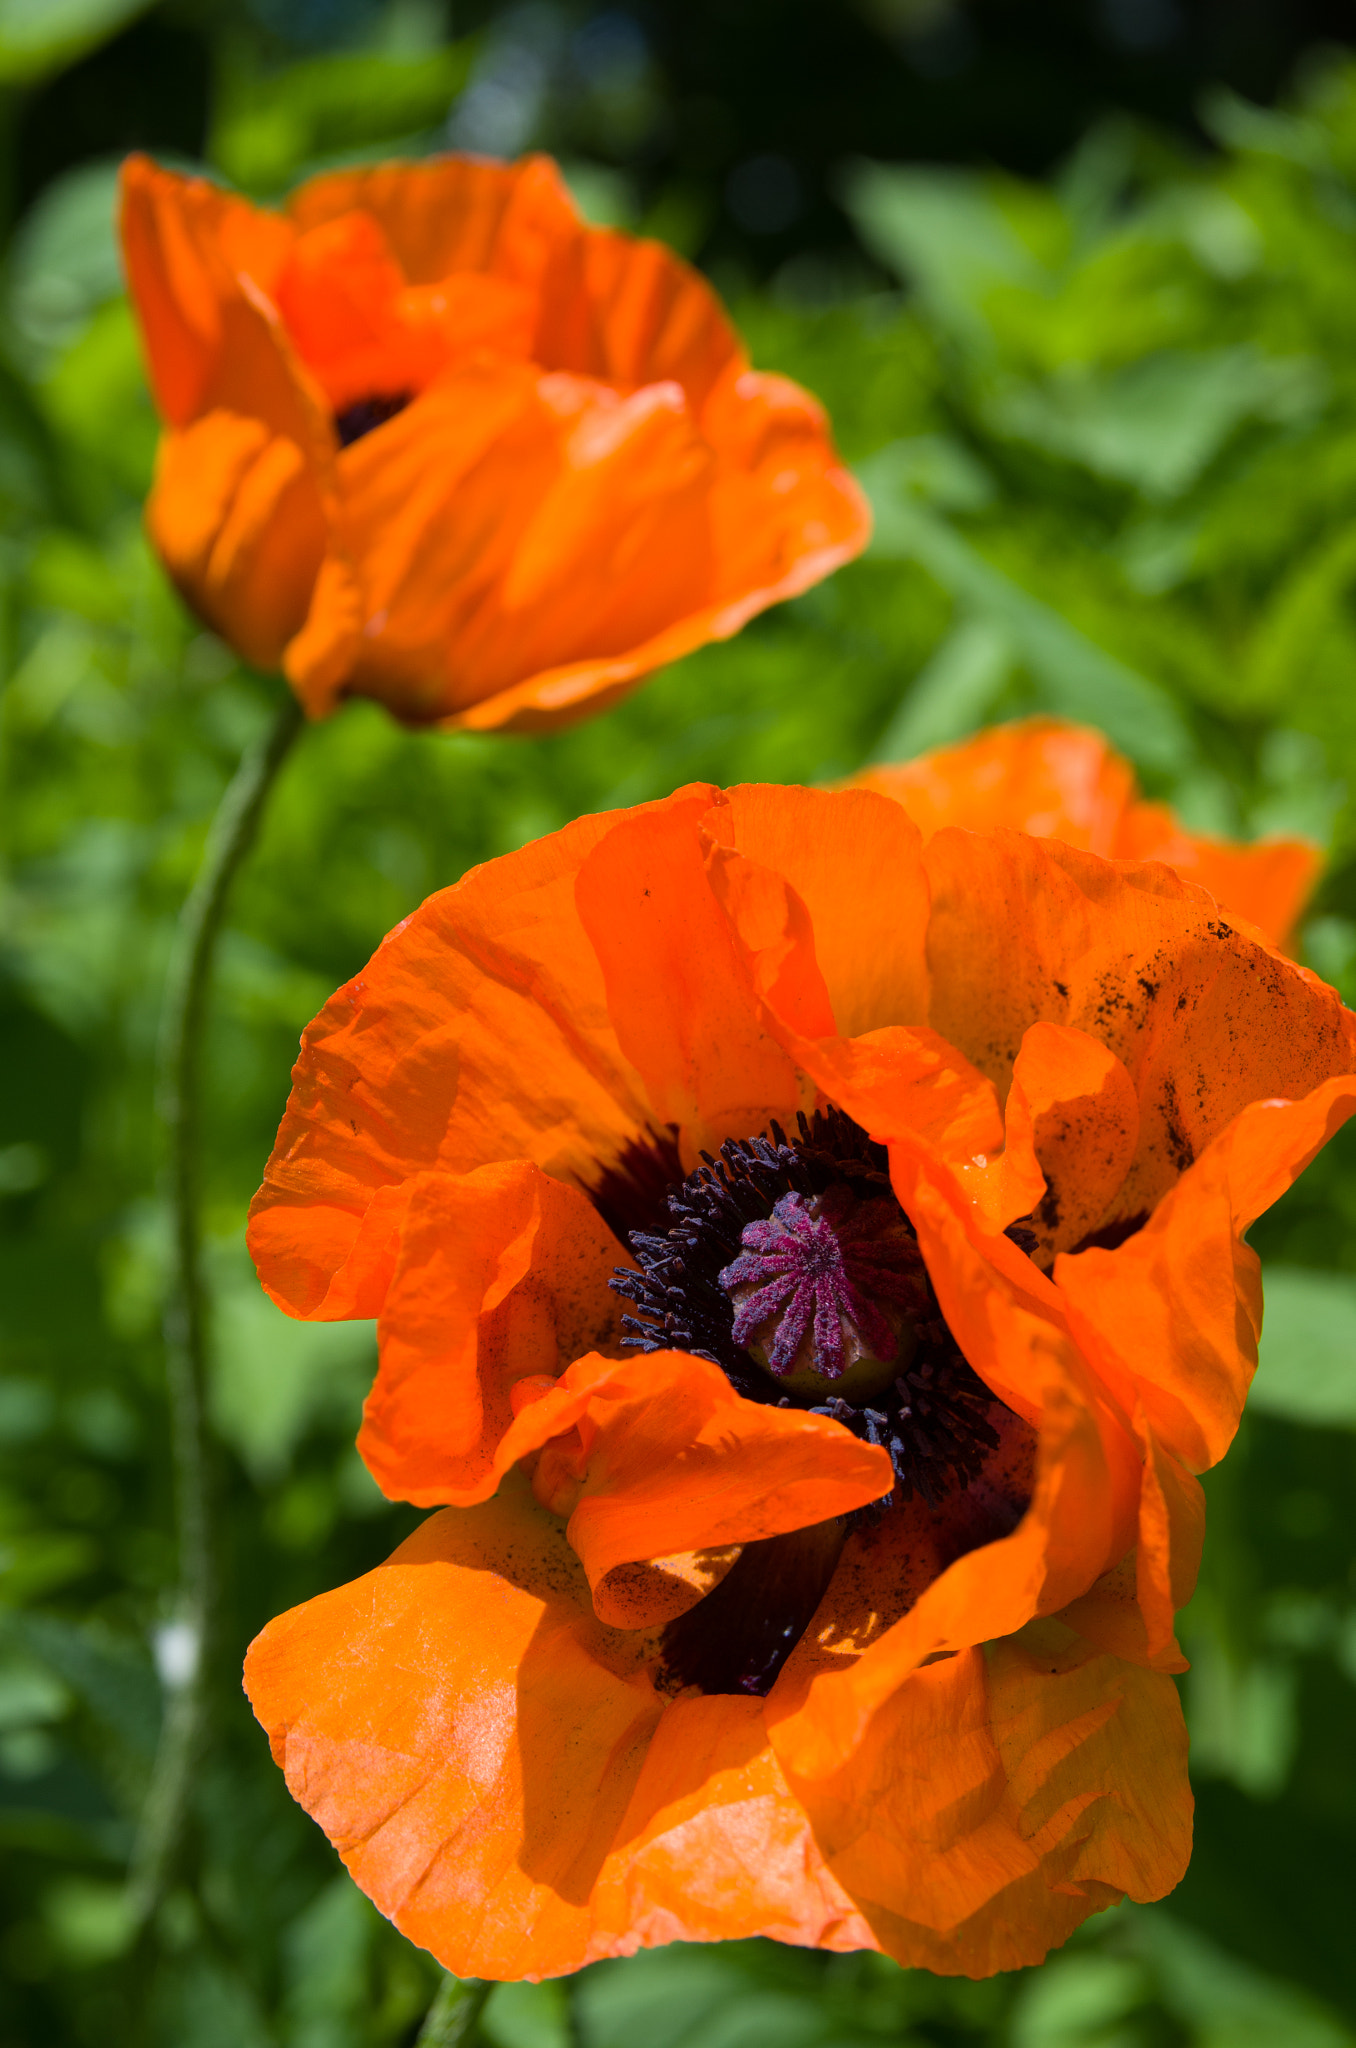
{"x":1099,"y":376}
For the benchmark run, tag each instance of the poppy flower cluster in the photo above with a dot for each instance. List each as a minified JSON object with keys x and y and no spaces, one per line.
{"x":430,"y":439}
{"x":810,"y":1273}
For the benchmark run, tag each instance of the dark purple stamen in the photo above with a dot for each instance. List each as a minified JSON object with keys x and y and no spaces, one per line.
{"x":821,"y":1268}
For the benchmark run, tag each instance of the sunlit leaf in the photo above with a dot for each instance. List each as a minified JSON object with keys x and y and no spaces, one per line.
{"x":1307,"y":1367}
{"x":37,"y":36}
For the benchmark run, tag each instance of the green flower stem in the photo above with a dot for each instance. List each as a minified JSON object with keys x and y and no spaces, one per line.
{"x":451,"y":2020}
{"x":186,"y":1315}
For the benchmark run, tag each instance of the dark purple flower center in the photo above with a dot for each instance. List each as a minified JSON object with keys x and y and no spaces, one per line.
{"x":791,"y":1264}
{"x":815,"y":1273}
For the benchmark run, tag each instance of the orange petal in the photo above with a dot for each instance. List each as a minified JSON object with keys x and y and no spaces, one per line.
{"x":1269,"y":883}
{"x":1168,"y":1550}
{"x":510,"y":522}
{"x":1081,"y":1518}
{"x":856,"y":866}
{"x":716,"y":1848}
{"x":478,"y":1031}
{"x":1174,"y":1313}
{"x":631,"y":313}
{"x":1002,"y":1796}
{"x":1072,"y":1122}
{"x":1204,"y":1018}
{"x":452,"y":213}
{"x":785,"y":511}
{"x":779,"y":512}
{"x":338,"y":287}
{"x":1038,"y":775}
{"x":892,"y":1079}
{"x":466,"y":1733}
{"x":668,"y":1458}
{"x":1059,"y":781}
{"x":364,"y":332}
{"x":502,"y":1275}
{"x":200,"y":265}
{"x":678,"y":998}
{"x":500,"y":1777}
{"x":237,"y":518}
{"x":320,"y":658}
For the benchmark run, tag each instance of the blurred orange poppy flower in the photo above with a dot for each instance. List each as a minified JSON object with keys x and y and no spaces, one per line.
{"x":430,"y":439}
{"x":810,"y":1272}
{"x":1063,"y":781}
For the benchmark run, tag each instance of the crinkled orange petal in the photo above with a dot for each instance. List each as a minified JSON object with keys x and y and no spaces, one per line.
{"x":668,"y":1458}
{"x":1060,"y":781}
{"x":452,"y":213}
{"x":508,"y":522}
{"x":1038,"y":775}
{"x":677,"y":993}
{"x":338,"y":288}
{"x":891,"y":1079}
{"x":629,"y":313}
{"x":856,"y":865}
{"x":1071,"y":1127}
{"x":778,"y":512}
{"x":1202,"y":1016}
{"x":503,"y":1274}
{"x":238,"y":521}
{"x":1268,"y":883}
{"x":715,"y":1847}
{"x":1000,"y":1796}
{"x":466,"y":1733}
{"x":501,"y":1778}
{"x":211,"y":340}
{"x":784,"y":510}
{"x":478,"y":1031}
{"x":1080,"y":1521}
{"x":1175,"y":1311}
{"x":364,"y":332}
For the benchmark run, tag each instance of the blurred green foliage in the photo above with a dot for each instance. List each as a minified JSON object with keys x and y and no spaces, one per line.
{"x":1109,"y":425}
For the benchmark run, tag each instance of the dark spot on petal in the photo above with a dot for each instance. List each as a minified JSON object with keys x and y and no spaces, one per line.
{"x":367,"y":413}
{"x":1109,"y":1235}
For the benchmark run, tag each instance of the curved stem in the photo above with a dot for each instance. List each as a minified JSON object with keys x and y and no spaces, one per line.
{"x":450,"y":2021}
{"x":185,"y":1644}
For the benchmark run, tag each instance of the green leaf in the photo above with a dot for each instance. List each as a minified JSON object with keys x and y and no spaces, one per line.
{"x":953,"y":693}
{"x":527,"y":2016}
{"x":944,"y":233}
{"x":114,"y":1682}
{"x":1078,"y":679}
{"x":65,"y":263}
{"x":1225,"y":2002}
{"x":38,"y":36}
{"x":1076,"y":2001}
{"x":1156,"y":423}
{"x":1307,"y":1368}
{"x":269,"y":128}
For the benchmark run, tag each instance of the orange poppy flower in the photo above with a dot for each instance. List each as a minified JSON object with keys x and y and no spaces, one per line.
{"x":432,"y":440}
{"x":810,"y":1273}
{"x":1062,"y":781}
